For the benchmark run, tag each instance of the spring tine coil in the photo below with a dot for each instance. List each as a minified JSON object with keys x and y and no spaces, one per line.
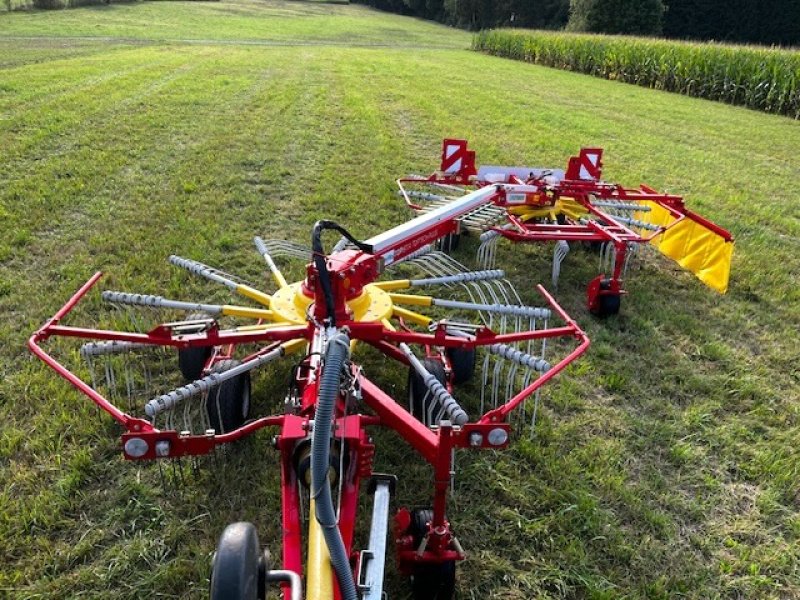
{"x":449,"y":405}
{"x":559,"y":254}
{"x":152,"y":301}
{"x":622,"y":206}
{"x":203,"y":385}
{"x":520,"y":358}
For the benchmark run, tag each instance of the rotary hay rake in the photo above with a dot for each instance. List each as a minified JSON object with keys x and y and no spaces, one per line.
{"x":475,"y":326}
{"x":574,"y":205}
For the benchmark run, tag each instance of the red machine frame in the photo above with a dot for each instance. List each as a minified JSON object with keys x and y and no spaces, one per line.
{"x":582,"y":185}
{"x":349,"y":271}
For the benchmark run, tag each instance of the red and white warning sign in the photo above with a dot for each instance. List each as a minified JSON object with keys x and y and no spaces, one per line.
{"x":587,"y":166}
{"x":453,"y":155}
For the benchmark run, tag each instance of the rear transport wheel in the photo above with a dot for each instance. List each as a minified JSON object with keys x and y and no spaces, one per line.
{"x":191,"y":361}
{"x":228,"y":404}
{"x":430,"y":581}
{"x":462,"y":361}
{"x":235,"y":566}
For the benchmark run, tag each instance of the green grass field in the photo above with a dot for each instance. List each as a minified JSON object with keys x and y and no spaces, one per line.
{"x":666,"y":464}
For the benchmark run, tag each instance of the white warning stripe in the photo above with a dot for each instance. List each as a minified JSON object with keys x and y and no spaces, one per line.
{"x":452,"y":149}
{"x":584,"y":173}
{"x":455,"y":167}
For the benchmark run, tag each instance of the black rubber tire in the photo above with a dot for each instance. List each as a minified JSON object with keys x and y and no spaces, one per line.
{"x":192,"y":360}
{"x":420,"y":517}
{"x":462,"y":362}
{"x":594,"y":247}
{"x":607,"y":304}
{"x":418,"y":394}
{"x":228,"y":404}
{"x":235,"y":567}
{"x":430,"y":581}
{"x":434,"y":581}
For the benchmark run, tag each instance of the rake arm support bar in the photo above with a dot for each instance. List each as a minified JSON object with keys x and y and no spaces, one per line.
{"x":460,"y":278}
{"x":502,"y":309}
{"x":500,"y":413}
{"x":162,"y":336}
{"x":48,"y":329}
{"x":160,"y":302}
{"x":519,"y":357}
{"x":422,"y":439}
{"x":273,"y":268}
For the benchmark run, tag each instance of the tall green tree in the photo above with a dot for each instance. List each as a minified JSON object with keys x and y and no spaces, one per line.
{"x":759,"y":21}
{"x":635,"y":17}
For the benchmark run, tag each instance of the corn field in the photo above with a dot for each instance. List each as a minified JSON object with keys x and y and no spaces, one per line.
{"x":766,"y":79}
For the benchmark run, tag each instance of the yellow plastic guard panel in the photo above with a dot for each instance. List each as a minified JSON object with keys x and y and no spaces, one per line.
{"x":693,"y":246}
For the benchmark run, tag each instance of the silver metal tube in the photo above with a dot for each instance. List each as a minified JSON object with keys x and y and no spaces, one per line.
{"x":460,"y":277}
{"x":295,"y":583}
{"x":195,"y":388}
{"x":372,"y":587}
{"x":198,"y":268}
{"x":104,"y":348}
{"x":620,"y":205}
{"x":519,"y":357}
{"x":503,"y":309}
{"x":158,"y":302}
{"x":449,"y":404}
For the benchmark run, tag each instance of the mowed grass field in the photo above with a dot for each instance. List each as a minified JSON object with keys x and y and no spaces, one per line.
{"x":666,"y":463}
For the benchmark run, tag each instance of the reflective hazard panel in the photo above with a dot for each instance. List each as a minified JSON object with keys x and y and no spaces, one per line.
{"x":587,"y":166}
{"x":453,"y":154}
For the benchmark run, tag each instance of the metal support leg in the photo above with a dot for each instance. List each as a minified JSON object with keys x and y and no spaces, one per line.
{"x":373,"y":560}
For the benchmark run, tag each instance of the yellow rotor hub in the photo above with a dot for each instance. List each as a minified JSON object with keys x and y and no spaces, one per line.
{"x":290,"y":304}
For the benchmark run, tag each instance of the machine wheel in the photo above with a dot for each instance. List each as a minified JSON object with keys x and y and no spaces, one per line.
{"x":594,"y":247}
{"x":420,"y":517}
{"x":235,"y":566}
{"x":192,"y":360}
{"x":419,"y":396}
{"x":462,"y":361}
{"x":434,"y":581}
{"x":228,"y":404}
{"x":430,"y":581}
{"x":607,"y":304}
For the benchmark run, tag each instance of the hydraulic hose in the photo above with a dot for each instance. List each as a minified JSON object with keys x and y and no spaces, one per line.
{"x":337,"y":352}
{"x":320,"y":261}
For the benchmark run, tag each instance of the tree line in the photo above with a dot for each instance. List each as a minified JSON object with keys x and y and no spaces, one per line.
{"x":742,"y":21}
